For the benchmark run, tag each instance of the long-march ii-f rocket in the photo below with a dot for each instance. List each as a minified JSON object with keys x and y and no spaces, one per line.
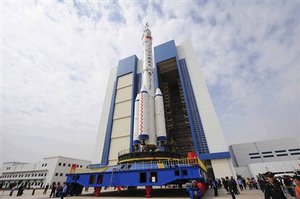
{"x":149,"y":116}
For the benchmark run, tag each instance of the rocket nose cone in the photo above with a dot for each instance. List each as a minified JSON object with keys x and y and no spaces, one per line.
{"x":144,"y":89}
{"x":137,"y":97}
{"x":158,"y":92}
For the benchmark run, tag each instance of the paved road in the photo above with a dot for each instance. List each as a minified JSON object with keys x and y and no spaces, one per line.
{"x":139,"y":194}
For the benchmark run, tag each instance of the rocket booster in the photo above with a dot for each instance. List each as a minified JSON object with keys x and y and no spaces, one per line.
{"x":149,"y":119}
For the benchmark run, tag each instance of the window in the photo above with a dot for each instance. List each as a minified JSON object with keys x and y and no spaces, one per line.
{"x":284,"y":154}
{"x":45,"y":165}
{"x":153,"y":176}
{"x":184,"y":172}
{"x":255,"y":157}
{"x":69,"y":165}
{"x":56,"y":174}
{"x":176,"y":172}
{"x":61,"y":174}
{"x":253,"y":153}
{"x":143,"y":177}
{"x":99,"y":179}
{"x":268,"y":156}
{"x":295,"y":153}
{"x":64,"y":164}
{"x":92,"y":179}
{"x":77,"y":166}
{"x":42,"y":165}
{"x":294,"y":149}
{"x":59,"y":164}
{"x":45,"y":174}
{"x":266,"y":152}
{"x":280,"y":151}
{"x":80,"y":166}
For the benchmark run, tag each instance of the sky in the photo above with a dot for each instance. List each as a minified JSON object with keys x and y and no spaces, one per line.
{"x":56,"y":57}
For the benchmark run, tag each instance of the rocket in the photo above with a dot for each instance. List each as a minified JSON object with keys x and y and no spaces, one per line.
{"x":149,"y":117}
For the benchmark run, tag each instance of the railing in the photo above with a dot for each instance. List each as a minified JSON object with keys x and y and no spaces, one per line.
{"x":123,"y":152}
{"x":159,"y":164}
{"x":75,"y":171}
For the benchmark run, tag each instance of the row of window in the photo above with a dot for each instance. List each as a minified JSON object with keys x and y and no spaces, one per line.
{"x":271,"y":156}
{"x":44,"y":165}
{"x":69,"y":165}
{"x":279,"y":151}
{"x":144,"y":177}
{"x":24,"y":175}
{"x":61,"y":174}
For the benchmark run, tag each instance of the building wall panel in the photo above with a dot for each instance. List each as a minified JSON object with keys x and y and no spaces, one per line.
{"x":122,"y":109}
{"x":121,"y":127}
{"x":124,"y":94}
{"x":125,"y":80}
{"x":117,"y":145}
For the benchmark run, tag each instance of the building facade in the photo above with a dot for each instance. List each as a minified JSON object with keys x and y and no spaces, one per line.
{"x":279,"y":156}
{"x":49,"y":170}
{"x":191,"y":121}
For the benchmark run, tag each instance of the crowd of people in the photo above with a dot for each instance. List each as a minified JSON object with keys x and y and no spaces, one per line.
{"x":57,"y":190}
{"x":272,"y":187}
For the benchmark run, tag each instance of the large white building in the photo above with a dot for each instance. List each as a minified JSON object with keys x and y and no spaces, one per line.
{"x":281,"y":156}
{"x":191,"y":121}
{"x":49,"y":170}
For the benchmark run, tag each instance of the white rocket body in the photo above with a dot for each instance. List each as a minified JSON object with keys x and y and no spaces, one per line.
{"x":160,"y":116}
{"x":136,"y":140}
{"x":149,"y":119}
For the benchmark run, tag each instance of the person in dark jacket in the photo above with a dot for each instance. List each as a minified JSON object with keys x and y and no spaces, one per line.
{"x":20,"y":190}
{"x":53,"y":188}
{"x":231,"y":187}
{"x":273,"y":188}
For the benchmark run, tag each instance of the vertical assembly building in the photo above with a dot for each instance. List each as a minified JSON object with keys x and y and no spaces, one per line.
{"x":190,"y":120}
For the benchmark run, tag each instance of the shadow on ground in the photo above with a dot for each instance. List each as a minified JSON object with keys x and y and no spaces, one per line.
{"x":162,"y":193}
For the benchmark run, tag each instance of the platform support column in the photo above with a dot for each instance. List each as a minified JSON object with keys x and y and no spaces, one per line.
{"x":97,"y":191}
{"x":148,"y":191}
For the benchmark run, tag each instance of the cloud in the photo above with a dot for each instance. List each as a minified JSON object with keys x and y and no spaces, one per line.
{"x":57,"y":57}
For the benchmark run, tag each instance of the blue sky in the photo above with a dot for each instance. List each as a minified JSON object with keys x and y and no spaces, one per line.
{"x":56,"y":57}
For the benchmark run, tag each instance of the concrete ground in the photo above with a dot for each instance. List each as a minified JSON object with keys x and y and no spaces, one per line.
{"x":138,"y":194}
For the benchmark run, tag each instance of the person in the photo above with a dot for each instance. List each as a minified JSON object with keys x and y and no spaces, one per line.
{"x":288,"y":183}
{"x":33,"y":190}
{"x":14,"y":187}
{"x":46,"y":188}
{"x":64,"y":190}
{"x":214,"y":184}
{"x":244,"y":183}
{"x":240,"y":183}
{"x":272,"y":187}
{"x":225,"y":184}
{"x":296,"y":180}
{"x":53,"y":188}
{"x":249,"y":183}
{"x":20,"y":190}
{"x":261,"y":183}
{"x":58,"y":189}
{"x":235,"y":189}
{"x":231,"y":187}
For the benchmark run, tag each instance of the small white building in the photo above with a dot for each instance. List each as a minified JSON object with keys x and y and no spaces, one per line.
{"x":281,"y":156}
{"x":49,"y":170}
